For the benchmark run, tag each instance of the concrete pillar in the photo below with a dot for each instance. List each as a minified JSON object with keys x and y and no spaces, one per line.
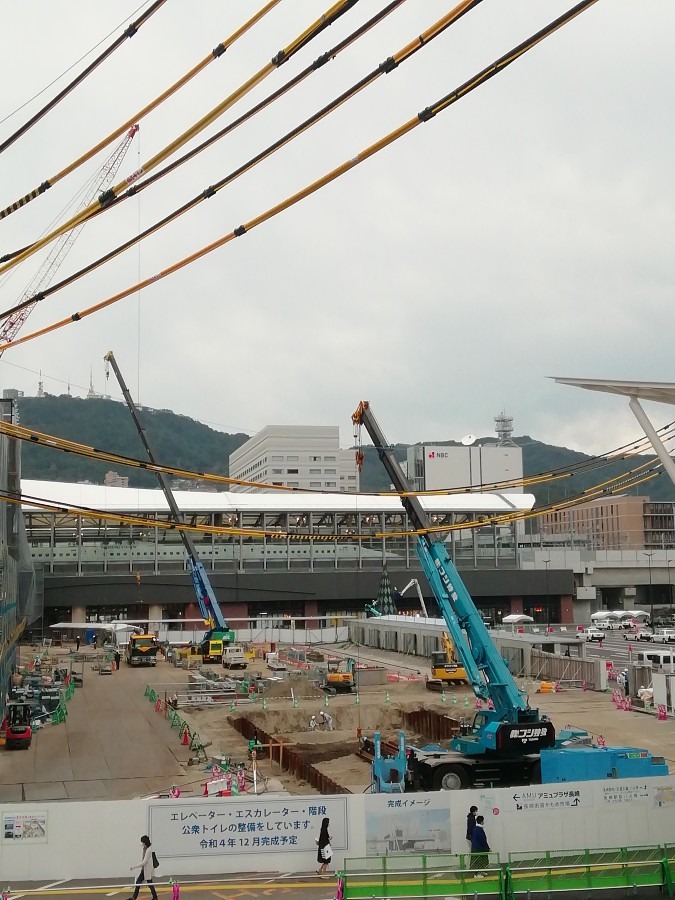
{"x":155,"y":612}
{"x":516,"y":606}
{"x":78,"y":613}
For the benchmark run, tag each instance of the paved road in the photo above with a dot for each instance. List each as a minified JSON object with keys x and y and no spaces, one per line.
{"x":229,"y":887}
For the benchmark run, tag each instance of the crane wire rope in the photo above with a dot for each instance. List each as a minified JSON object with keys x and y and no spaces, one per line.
{"x":216,"y":53}
{"x":424,"y":116}
{"x":37,"y":438}
{"x":328,"y":18}
{"x":136,"y":188}
{"x":129,"y":32}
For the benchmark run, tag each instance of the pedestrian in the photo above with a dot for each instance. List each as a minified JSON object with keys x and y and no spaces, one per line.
{"x":118,"y":658}
{"x":626,"y":683}
{"x":146,"y":869}
{"x":471,"y":823}
{"x":325,"y":851}
{"x":479,"y":848}
{"x":312,"y":723}
{"x":77,"y":642}
{"x":326,"y":720}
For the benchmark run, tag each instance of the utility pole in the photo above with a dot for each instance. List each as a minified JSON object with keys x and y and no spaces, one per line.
{"x":649,"y":554}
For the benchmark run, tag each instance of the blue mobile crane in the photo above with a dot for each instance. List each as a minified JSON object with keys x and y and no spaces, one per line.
{"x":508,"y":743}
{"x":219,"y":633}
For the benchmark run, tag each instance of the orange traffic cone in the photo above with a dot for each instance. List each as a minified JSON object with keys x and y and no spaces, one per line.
{"x":185,"y":739}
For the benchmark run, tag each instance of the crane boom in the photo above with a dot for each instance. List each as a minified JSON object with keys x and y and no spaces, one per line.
{"x":208,"y":604}
{"x":487,"y":672}
{"x":415,"y":583}
{"x":47,"y":271}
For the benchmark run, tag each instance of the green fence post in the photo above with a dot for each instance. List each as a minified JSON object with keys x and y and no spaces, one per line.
{"x":424,"y":876}
{"x":667,"y":876}
{"x":384,"y":876}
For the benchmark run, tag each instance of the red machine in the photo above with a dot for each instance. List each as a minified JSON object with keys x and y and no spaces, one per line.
{"x":16,"y":726}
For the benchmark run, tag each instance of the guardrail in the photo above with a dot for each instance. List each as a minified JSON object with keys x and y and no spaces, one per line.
{"x":443,"y":874}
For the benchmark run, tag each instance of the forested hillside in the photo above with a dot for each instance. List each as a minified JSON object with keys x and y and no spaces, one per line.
{"x":183,"y":442}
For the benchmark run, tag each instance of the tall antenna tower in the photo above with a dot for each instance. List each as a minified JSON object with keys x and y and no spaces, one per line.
{"x":504,"y":429}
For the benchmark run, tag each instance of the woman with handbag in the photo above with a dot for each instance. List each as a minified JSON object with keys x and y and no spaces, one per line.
{"x":325,"y":851}
{"x":147,"y":869}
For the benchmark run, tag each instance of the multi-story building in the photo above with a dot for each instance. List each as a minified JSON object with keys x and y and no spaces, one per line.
{"x":18,"y":606}
{"x":432,"y":467}
{"x":301,"y":456}
{"x":613,"y":523}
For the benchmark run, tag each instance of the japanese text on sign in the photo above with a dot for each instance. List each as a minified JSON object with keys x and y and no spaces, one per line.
{"x":197,"y":828}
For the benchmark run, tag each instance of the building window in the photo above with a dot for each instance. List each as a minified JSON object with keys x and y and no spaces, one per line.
{"x":294,"y":484}
{"x":330,"y":484}
{"x":331,"y":472}
{"x":315,"y":484}
{"x":315,"y":471}
{"x":329,"y":459}
{"x":277,"y":459}
{"x":315,"y":459}
{"x":292,"y":472}
{"x":277,"y":471}
{"x":292,"y":459}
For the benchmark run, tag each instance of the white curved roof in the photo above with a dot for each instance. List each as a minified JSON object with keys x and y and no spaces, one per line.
{"x":147,"y":500}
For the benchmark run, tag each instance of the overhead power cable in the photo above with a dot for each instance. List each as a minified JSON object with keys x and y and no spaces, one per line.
{"x":328,"y":18}
{"x":18,"y":432}
{"x":424,"y":116}
{"x":276,"y":534}
{"x":384,"y":68}
{"x":216,"y":53}
{"x":128,"y":32}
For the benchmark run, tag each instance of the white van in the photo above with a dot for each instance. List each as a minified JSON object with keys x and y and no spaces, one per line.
{"x":234,"y":657}
{"x":665,"y":657}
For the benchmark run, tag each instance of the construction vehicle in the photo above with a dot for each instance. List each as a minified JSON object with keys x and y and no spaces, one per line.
{"x":141,"y":650}
{"x":339,"y":677}
{"x":398,"y":595}
{"x":219,"y":635}
{"x":16,"y":726}
{"x":508,"y":742}
{"x":234,"y":657}
{"x":445,"y":669}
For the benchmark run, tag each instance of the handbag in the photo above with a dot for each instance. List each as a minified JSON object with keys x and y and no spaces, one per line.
{"x":155,"y":861}
{"x":327,"y":851}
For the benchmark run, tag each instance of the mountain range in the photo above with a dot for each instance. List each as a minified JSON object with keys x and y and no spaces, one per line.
{"x":187,"y":444}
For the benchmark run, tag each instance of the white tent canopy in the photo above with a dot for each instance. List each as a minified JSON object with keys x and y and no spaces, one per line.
{"x":603,"y":616}
{"x":517,"y":619}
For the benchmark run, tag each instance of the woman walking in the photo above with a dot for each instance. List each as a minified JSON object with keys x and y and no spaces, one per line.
{"x":325,"y":851}
{"x":147,"y":869}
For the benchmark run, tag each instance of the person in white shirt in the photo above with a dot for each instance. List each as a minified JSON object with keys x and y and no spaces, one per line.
{"x":326,"y":720}
{"x":146,"y":868}
{"x":312,"y":723}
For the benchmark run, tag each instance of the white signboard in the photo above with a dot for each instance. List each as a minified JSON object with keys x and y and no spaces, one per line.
{"x":548,"y":797}
{"x":625,"y":792}
{"x":25,"y":827}
{"x":408,"y":823}
{"x":244,"y":826}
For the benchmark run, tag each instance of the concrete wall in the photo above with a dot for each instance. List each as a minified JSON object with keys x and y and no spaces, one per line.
{"x":99,"y":840}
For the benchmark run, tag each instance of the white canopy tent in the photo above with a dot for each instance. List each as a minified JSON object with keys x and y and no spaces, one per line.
{"x":517,"y":619}
{"x":604,"y":616}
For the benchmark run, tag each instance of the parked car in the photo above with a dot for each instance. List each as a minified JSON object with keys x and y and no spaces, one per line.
{"x":606,"y":626}
{"x":592,"y":634}
{"x":664,"y":636}
{"x":644,"y":635}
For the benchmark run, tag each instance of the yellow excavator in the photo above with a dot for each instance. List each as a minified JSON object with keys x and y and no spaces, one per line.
{"x":445,"y":670}
{"x":339,"y":676}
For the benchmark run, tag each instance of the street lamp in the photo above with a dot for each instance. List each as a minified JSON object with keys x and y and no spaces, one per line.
{"x":649,"y":554}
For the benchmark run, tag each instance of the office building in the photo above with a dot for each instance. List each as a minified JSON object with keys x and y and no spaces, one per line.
{"x":300,"y":456}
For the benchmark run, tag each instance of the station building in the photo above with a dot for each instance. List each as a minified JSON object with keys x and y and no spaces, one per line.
{"x":326,"y":561}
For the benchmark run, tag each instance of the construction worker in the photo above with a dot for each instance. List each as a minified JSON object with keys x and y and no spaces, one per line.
{"x":326,"y":720}
{"x":312,"y":723}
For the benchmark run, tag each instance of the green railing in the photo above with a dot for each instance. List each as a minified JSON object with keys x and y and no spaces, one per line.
{"x":438,"y":874}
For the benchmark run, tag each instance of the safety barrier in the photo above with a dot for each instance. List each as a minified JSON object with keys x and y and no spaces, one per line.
{"x":522,"y":874}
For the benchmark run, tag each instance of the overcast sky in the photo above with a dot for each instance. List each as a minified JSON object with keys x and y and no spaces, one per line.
{"x":525,"y":232}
